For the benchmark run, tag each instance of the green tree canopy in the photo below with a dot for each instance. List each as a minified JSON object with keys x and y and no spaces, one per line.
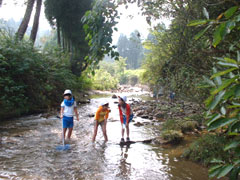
{"x":66,"y":17}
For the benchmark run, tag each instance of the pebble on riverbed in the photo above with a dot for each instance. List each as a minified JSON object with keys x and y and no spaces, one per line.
{"x":138,"y":124}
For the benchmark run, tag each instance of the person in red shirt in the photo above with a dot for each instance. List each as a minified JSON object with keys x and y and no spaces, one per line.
{"x":126,"y":116}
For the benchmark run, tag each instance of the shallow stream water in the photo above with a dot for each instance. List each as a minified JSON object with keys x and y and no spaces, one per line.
{"x":28,"y":151}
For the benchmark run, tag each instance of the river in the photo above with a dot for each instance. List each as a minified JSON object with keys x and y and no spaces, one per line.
{"x":28,"y":151}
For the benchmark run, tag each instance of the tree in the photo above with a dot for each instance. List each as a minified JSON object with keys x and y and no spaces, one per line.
{"x":36,"y":21}
{"x":122,"y":45}
{"x":66,"y":17}
{"x":131,"y":49}
{"x":24,"y":24}
{"x":1,"y":3}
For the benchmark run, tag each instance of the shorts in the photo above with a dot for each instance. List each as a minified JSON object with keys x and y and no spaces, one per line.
{"x":67,"y":122}
{"x":125,"y":119}
{"x":99,"y":123}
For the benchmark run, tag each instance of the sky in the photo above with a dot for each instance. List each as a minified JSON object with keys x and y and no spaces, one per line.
{"x":125,"y":26}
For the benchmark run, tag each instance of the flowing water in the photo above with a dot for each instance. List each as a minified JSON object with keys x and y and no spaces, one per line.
{"x":28,"y":151}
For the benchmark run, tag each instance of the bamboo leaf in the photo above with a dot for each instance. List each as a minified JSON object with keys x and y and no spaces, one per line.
{"x":222,"y":72}
{"x":215,"y":161}
{"x":209,"y":100}
{"x":227,"y":64}
{"x":218,"y":78}
{"x":216,"y":100}
{"x":238,"y":56}
{"x":205,"y":13}
{"x":231,"y":75}
{"x":198,"y":22}
{"x":232,"y":145}
{"x":223,"y":110}
{"x":237,"y":104}
{"x":236,"y":162}
{"x":201,"y":33}
{"x":220,"y":123}
{"x":230,"y":60}
{"x":219,"y":34}
{"x":225,"y":170}
{"x":214,"y":118}
{"x":230,"y":25}
{"x":224,"y":85}
{"x":229,"y":92}
{"x":230,"y":12}
{"x":214,"y":171}
{"x":210,"y":82}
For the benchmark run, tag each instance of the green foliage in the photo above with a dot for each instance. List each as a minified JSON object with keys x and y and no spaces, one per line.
{"x":172,"y":136}
{"x":66,"y":17}
{"x":223,"y":103}
{"x":183,"y":125}
{"x":134,"y":77}
{"x":206,"y":148}
{"x":31,"y":80}
{"x":188,"y":126}
{"x":98,"y":26}
{"x":170,"y":65}
{"x":104,"y":81}
{"x":115,"y":73}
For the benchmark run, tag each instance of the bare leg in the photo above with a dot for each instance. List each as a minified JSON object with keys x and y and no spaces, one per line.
{"x":95,"y":131}
{"x":64,"y":132}
{"x":69,"y":132}
{"x":104,"y":130}
{"x":123,"y":130}
{"x":127,"y":127}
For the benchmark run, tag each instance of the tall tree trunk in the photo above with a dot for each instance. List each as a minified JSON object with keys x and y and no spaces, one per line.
{"x":36,"y":21}
{"x":58,"y":34}
{"x":1,"y":3}
{"x":24,"y":24}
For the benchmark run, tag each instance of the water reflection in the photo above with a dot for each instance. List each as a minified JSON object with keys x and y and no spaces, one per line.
{"x":124,"y":166}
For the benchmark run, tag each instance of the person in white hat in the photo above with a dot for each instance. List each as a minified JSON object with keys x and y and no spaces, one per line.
{"x":126,"y":116}
{"x":68,"y":108}
{"x":100,"y":118}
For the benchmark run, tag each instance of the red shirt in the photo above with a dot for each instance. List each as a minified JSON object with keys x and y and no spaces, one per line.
{"x":128,"y":111}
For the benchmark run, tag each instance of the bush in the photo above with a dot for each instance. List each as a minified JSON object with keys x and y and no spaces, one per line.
{"x":207,"y":148}
{"x":31,"y":80}
{"x":172,"y":136}
{"x":180,"y":125}
{"x":171,"y":124}
{"x":103,"y":80}
{"x":188,"y":126}
{"x":133,"y":80}
{"x":134,"y":76}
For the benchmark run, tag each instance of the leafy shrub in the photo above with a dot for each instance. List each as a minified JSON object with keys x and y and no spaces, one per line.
{"x":180,"y":125}
{"x":188,"y":126}
{"x":207,"y":148}
{"x":31,"y":80}
{"x":172,"y":136}
{"x":133,"y":80}
{"x":103,"y":80}
{"x":171,"y":124}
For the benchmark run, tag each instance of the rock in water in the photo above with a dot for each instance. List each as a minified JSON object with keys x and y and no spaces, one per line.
{"x":114,"y":96}
{"x":138,"y":124}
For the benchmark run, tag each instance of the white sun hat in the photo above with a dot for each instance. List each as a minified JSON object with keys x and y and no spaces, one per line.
{"x":124,"y":98}
{"x":67,"y":91}
{"x":103,"y":103}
